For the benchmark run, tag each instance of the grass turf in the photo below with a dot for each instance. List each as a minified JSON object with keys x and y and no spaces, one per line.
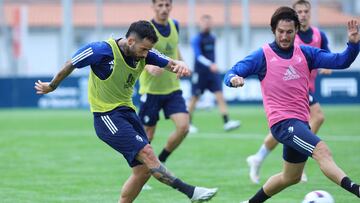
{"x":55,"y":156}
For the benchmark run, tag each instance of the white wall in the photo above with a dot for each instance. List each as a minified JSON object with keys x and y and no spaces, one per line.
{"x":44,"y":52}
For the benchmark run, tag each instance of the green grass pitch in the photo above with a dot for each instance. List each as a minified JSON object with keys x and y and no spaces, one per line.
{"x":55,"y":156}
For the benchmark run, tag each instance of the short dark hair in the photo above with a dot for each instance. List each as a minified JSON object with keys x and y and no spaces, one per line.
{"x":154,"y":1}
{"x":284,"y":13}
{"x":142,"y":29}
{"x":301,"y":2}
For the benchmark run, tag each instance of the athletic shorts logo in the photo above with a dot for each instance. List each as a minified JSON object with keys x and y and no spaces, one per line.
{"x":146,"y":119}
{"x":291,"y":129}
{"x":311,"y":98}
{"x":138,"y":138}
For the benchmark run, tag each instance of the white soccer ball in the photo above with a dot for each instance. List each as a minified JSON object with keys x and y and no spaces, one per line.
{"x":318,"y":196}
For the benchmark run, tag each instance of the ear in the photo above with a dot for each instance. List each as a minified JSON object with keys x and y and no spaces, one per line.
{"x":130,"y":40}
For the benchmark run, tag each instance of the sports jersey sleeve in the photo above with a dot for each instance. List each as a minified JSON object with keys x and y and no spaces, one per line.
{"x":195,"y":43}
{"x":89,"y":55}
{"x":324,"y":41}
{"x":156,"y":58}
{"x":176,"y":25}
{"x":254,"y":64}
{"x":319,"y":58}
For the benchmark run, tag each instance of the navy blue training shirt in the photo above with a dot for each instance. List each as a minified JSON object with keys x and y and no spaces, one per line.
{"x":203,"y":45}
{"x":99,"y":56}
{"x":255,"y":63}
{"x":165,"y":29}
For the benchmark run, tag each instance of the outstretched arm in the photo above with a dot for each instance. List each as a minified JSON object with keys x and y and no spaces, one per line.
{"x":156,"y":58}
{"x":254,"y":64}
{"x":320,"y":58}
{"x":46,"y":87}
{"x":178,"y":67}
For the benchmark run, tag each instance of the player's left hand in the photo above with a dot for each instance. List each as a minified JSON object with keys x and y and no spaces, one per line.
{"x":324,"y":71}
{"x":154,"y":70}
{"x":353,"y":31}
{"x":180,"y":68}
{"x":43,"y":87}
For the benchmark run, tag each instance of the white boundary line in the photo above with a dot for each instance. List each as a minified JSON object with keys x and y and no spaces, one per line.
{"x":240,"y":136}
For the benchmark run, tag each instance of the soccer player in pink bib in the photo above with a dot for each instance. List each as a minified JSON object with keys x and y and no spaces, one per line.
{"x":284,"y":71}
{"x":310,"y":36}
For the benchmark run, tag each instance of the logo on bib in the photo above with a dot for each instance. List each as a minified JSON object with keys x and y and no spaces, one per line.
{"x":290,"y":74}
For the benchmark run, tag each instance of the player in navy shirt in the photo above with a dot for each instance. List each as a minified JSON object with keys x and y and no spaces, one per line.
{"x":99,"y":56}
{"x":116,"y":65}
{"x":206,"y":74}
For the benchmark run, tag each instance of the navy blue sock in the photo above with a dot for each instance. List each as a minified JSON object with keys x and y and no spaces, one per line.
{"x":350,"y":186}
{"x":225,"y":118}
{"x":188,"y":190}
{"x":259,"y":197}
{"x":164,"y":155}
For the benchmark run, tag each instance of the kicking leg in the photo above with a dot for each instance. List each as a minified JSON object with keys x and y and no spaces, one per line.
{"x":323,"y":157}
{"x":162,"y":174}
{"x":132,"y":187}
{"x":290,"y":175}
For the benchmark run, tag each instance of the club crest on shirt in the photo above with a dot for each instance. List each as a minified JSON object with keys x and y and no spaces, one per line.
{"x":111,"y":63}
{"x":138,"y":138}
{"x":298,"y":58}
{"x":130,"y":82}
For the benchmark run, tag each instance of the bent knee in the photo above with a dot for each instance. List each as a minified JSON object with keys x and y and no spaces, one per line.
{"x":183,"y":129}
{"x":292,"y":180}
{"x":147,"y":153}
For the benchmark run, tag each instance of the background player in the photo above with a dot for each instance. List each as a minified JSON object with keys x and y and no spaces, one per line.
{"x":206,"y":74}
{"x":160,"y":89}
{"x":115,"y":67}
{"x":284,"y":71}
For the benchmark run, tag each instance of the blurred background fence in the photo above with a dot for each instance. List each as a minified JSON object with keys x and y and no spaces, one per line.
{"x":38,"y":36}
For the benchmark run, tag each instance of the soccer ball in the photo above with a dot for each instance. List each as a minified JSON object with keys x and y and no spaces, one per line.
{"x":318,"y":196}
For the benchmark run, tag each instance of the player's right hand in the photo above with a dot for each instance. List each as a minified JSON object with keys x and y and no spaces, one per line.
{"x":43,"y":87}
{"x":237,"y":81}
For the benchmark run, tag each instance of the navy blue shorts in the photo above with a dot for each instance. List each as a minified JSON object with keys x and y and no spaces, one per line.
{"x":201,"y":82}
{"x":151,"y":105}
{"x":312,"y":98}
{"x":122,"y":130}
{"x":297,"y":139}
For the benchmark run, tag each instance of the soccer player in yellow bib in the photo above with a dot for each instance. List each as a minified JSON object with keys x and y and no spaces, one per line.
{"x":160,"y":89}
{"x":115,"y":67}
